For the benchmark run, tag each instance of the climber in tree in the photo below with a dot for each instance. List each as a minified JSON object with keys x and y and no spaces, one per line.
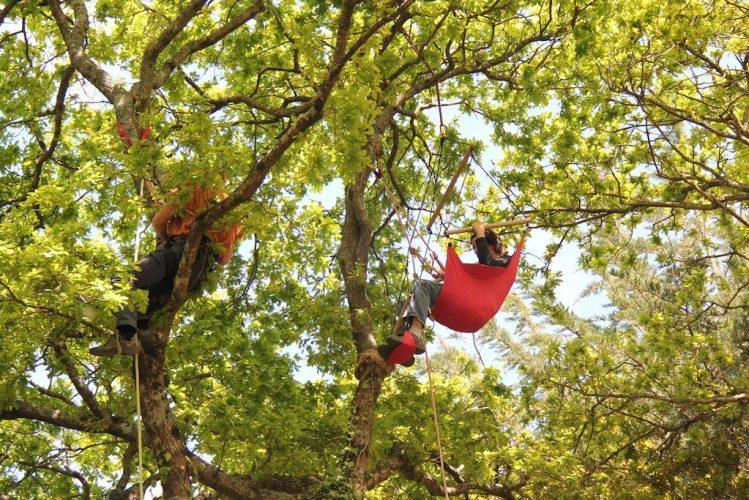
{"x":157,"y":270}
{"x":409,"y":339}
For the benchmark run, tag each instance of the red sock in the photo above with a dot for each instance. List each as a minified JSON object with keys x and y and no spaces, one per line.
{"x":404,"y":351}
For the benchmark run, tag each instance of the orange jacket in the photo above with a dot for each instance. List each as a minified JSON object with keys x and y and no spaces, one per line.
{"x":167,"y":223}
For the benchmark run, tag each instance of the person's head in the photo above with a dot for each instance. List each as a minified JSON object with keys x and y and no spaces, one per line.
{"x":492,"y":239}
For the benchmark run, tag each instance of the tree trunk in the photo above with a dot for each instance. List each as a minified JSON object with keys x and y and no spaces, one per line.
{"x":161,"y":429}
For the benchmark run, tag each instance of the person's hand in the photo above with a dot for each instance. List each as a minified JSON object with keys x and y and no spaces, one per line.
{"x":478,"y":229}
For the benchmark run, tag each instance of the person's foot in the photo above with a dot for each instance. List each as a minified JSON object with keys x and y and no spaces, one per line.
{"x":400,"y":353}
{"x":116,"y":345}
{"x":385,"y":351}
{"x":415,"y":331}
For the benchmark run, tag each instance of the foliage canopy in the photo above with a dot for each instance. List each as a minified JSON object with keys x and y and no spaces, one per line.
{"x":623,"y":128}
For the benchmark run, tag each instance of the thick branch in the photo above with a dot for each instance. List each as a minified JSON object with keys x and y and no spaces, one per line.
{"x":61,"y":350}
{"x":79,"y":421}
{"x":6,"y":10}
{"x":47,"y":152}
{"x":157,"y":46}
{"x":74,"y":38}
{"x":211,"y":39}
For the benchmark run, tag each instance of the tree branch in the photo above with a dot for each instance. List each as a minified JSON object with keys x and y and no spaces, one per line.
{"x":74,"y":38}
{"x":216,"y":36}
{"x":65,"y":471}
{"x":78,"y":421}
{"x":61,"y":350}
{"x":151,"y":54}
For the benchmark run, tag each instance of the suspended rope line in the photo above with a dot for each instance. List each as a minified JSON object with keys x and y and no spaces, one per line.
{"x":488,"y":175}
{"x":450,"y":187}
{"x":477,"y":351}
{"x":137,"y":370}
{"x":126,"y":138}
{"x":429,"y":266}
{"x":443,"y":128}
{"x":436,"y":425}
{"x":400,"y":212}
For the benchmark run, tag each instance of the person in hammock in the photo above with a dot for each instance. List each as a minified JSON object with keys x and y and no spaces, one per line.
{"x":409,"y":337}
{"x":157,"y":270}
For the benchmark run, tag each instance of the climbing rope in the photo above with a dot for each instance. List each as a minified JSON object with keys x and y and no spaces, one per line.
{"x":443,"y":127}
{"x":402,"y":216}
{"x":436,"y":425}
{"x":478,"y":353}
{"x":137,"y":370}
{"x":405,"y":221}
{"x":126,"y":138}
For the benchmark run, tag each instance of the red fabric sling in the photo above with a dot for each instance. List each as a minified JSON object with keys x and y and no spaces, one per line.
{"x":473,"y":293}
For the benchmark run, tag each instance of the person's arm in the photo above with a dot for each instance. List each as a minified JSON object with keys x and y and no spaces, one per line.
{"x":161,"y":220}
{"x":482,"y":249}
{"x":228,"y":245}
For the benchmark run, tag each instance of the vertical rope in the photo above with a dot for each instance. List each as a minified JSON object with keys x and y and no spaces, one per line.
{"x":137,"y":370}
{"x":140,"y":429}
{"x":473,"y":336}
{"x":403,"y":218}
{"x":443,"y":128}
{"x":436,"y":425}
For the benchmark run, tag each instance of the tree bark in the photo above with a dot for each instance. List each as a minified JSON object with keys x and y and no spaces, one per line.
{"x":161,"y":429}
{"x":352,"y":257}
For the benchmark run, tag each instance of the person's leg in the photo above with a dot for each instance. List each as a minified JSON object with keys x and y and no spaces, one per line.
{"x":151,"y":271}
{"x":424,"y":295}
{"x":158,"y":293}
{"x":408,"y":339}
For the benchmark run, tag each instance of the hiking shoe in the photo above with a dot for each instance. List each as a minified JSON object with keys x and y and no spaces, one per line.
{"x":399,"y":353}
{"x":385,"y":351}
{"x":395,"y":340}
{"x":116,"y":345}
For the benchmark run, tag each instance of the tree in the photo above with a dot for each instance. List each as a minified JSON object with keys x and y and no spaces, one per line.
{"x":610,"y":118}
{"x":648,"y":395}
{"x":256,"y":90}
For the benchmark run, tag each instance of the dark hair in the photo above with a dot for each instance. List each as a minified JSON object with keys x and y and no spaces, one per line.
{"x":492,"y":239}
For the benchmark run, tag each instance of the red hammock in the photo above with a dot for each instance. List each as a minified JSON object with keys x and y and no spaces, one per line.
{"x":473,"y":293}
